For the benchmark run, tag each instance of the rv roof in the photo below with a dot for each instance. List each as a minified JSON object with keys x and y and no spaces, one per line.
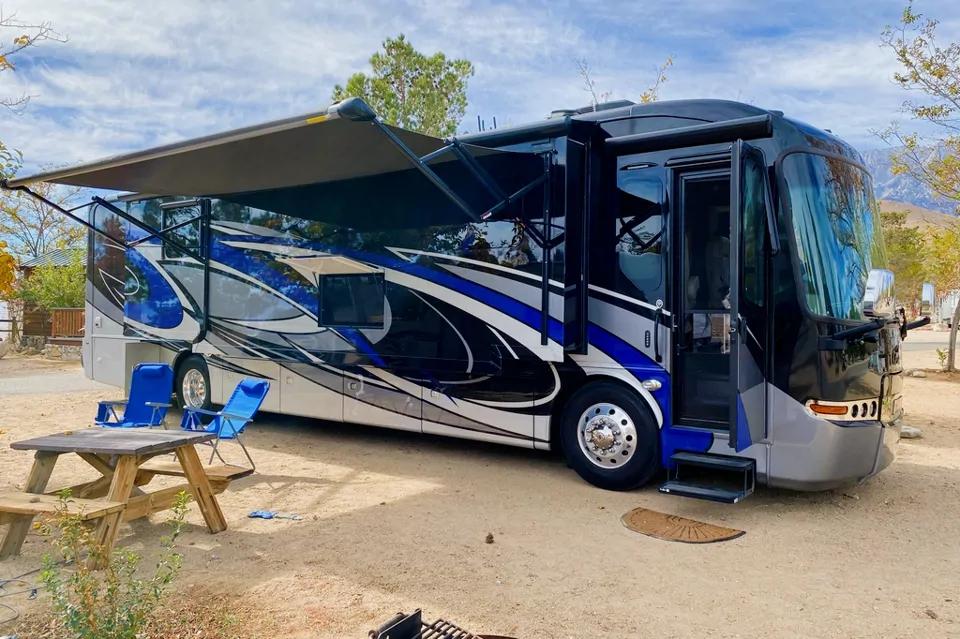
{"x":338,"y":143}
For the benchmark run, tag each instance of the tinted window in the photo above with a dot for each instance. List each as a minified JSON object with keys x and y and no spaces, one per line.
{"x":836,"y":222}
{"x":187,"y":236}
{"x":639,"y":236}
{"x":754,"y":230}
{"x":352,"y":301}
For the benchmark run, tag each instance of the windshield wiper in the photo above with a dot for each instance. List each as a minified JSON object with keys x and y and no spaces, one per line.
{"x":839,"y":340}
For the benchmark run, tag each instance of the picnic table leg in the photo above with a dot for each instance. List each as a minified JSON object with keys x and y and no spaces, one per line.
{"x":209,"y":508}
{"x":105,"y":467}
{"x":43,"y":464}
{"x":121,"y":486}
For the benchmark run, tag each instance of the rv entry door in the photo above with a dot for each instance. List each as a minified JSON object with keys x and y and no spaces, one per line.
{"x":749,"y":209}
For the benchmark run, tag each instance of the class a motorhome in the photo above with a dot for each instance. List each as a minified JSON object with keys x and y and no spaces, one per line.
{"x":694,"y":290}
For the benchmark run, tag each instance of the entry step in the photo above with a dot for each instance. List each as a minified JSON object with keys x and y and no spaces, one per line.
{"x":720,"y":462}
{"x":710,"y":493}
{"x":719,"y":478}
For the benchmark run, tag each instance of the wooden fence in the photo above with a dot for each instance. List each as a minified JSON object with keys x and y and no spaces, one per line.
{"x":67,"y":322}
{"x":35,"y":323}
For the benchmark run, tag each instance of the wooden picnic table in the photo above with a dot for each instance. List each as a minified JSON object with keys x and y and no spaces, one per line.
{"x":121,"y":456}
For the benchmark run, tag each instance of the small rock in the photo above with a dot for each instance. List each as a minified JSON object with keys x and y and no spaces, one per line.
{"x":910,"y":432}
{"x":918,"y":373}
{"x":489,"y":538}
{"x":931,"y":614}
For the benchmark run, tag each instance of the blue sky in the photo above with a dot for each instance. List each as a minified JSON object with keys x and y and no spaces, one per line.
{"x":134,"y":74}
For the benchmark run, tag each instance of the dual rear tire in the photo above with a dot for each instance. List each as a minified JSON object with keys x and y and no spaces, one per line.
{"x":192,"y":384}
{"x":609,"y":437}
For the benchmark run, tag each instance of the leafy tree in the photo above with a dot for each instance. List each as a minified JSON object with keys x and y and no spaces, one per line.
{"x":56,"y":286}
{"x":905,"y":250}
{"x":8,"y":272}
{"x":33,"y":228}
{"x":944,"y":270}
{"x":931,"y":72}
{"x":407,"y":88}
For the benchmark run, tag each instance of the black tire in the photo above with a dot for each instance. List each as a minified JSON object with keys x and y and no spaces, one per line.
{"x":192,"y":363}
{"x":645,"y":460}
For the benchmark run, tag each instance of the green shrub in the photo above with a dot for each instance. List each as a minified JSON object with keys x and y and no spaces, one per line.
{"x":112,"y":603}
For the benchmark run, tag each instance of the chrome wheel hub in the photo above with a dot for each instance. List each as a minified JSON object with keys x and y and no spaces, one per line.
{"x":194,"y":389}
{"x":607,"y":435}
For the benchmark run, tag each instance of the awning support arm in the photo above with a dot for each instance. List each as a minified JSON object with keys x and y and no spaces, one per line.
{"x":160,"y":234}
{"x":68,"y":212}
{"x":426,"y":170}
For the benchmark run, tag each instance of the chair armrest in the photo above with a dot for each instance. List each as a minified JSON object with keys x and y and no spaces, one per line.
{"x":201,"y":411}
{"x":121,"y":402}
{"x":158,"y":405}
{"x":235,"y":418}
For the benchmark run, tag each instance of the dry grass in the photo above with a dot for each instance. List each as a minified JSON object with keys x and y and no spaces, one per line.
{"x":195,"y":613}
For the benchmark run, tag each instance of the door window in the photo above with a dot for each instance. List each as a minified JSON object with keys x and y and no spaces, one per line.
{"x":640,"y":271}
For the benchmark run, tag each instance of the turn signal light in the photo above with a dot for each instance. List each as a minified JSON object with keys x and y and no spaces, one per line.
{"x":824,"y":409}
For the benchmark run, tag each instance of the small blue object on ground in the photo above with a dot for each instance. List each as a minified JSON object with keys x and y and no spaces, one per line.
{"x":269,"y":514}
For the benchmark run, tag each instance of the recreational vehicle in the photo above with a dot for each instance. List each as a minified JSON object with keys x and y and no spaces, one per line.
{"x":948,"y":305}
{"x":685,"y":289}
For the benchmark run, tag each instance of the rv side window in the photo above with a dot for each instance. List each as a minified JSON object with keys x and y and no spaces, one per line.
{"x":187,"y":236}
{"x":352,"y":301}
{"x":754,"y":233}
{"x":639,"y":236}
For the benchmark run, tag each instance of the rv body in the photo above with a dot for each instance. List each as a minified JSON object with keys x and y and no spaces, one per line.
{"x":650,"y":287}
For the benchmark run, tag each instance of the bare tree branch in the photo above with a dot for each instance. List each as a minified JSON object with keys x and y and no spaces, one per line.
{"x":589,"y":85}
{"x":28,"y":35}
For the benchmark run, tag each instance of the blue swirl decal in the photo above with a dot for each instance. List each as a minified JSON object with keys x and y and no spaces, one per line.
{"x":149,"y":298}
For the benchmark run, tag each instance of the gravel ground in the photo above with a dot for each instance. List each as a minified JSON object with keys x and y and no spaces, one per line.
{"x":394,"y":522}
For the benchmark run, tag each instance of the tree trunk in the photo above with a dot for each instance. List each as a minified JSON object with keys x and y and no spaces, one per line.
{"x":952,"y":350}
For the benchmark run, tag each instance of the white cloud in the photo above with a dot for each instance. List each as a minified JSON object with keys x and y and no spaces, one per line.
{"x":136,"y":74}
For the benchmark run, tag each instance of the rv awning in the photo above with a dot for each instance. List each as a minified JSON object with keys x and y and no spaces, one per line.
{"x":340,"y":143}
{"x":341,"y":166}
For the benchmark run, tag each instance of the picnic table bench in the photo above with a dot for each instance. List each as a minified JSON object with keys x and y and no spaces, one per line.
{"x":125,"y":459}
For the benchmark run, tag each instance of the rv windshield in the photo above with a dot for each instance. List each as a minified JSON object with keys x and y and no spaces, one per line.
{"x":837,"y":226}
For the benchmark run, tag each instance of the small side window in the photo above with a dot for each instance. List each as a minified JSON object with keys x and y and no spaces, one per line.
{"x":639,"y":237}
{"x":187,"y":235}
{"x":352,"y":301}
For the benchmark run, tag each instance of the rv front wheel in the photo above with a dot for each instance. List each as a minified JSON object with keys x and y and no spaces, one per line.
{"x":193,"y":383}
{"x":609,"y":437}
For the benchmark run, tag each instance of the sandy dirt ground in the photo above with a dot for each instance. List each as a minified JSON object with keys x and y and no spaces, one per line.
{"x":394,"y":522}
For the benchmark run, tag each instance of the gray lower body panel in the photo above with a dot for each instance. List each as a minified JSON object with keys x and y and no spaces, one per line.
{"x":810,"y":453}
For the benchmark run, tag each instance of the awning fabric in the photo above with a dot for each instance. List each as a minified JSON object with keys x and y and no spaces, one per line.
{"x":338,"y":143}
{"x":331,"y":166}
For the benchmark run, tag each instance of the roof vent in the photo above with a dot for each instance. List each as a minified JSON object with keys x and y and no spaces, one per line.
{"x":606,"y":106}
{"x":603,"y":106}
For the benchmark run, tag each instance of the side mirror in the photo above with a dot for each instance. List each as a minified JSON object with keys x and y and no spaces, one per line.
{"x":927,"y":298}
{"x":878,"y":300}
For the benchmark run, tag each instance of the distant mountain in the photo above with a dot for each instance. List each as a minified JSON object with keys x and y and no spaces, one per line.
{"x":901,"y":188}
{"x":916,"y":216}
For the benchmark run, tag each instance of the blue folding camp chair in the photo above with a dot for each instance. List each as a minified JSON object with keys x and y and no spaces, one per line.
{"x":151,"y":386}
{"x":236,"y":414}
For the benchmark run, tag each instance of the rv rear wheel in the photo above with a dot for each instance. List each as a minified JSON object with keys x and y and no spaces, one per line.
{"x":610,"y":437}
{"x":193,"y":383}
